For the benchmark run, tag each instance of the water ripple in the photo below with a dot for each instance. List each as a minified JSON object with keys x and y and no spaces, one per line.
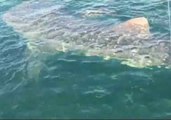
{"x":71,"y":85}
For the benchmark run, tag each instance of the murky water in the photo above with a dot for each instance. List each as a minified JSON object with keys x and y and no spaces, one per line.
{"x":77,"y":86}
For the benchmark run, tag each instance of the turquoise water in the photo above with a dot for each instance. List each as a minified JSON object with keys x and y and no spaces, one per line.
{"x":75,"y":86}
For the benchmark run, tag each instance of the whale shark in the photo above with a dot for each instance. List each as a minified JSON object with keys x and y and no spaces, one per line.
{"x":48,"y":27}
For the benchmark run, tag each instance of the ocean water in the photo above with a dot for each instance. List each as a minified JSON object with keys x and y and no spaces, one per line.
{"x":78,"y":86}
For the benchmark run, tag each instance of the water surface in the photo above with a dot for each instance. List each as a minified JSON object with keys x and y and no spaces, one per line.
{"x":75,"y":86}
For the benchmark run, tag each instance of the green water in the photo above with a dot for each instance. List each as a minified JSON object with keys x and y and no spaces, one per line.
{"x":75,"y":86}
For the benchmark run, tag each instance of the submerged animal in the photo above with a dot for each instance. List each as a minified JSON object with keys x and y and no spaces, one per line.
{"x":49,"y":28}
